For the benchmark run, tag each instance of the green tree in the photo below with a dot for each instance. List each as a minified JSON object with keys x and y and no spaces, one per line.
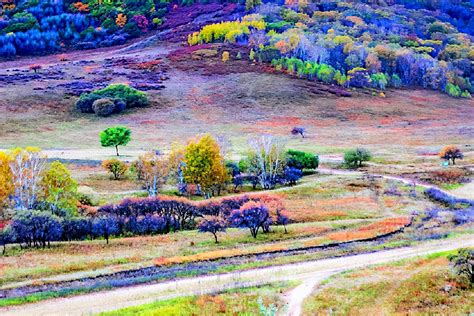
{"x":115,"y":136}
{"x":59,"y":189}
{"x":354,"y":158}
{"x":302,"y":160}
{"x":463,"y":263}
{"x":204,"y":165}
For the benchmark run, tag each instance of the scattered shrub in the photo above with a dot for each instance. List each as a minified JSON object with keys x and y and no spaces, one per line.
{"x":355,"y":158}
{"x":449,"y":175}
{"x":132,"y":97}
{"x":302,"y":160}
{"x":298,"y":131}
{"x":463,"y":263}
{"x":213,"y":225}
{"x":116,"y":167}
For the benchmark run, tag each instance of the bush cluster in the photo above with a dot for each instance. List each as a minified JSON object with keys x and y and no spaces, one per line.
{"x":113,"y":99}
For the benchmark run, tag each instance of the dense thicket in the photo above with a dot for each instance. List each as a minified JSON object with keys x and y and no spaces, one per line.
{"x":45,"y":26}
{"x":353,"y":44}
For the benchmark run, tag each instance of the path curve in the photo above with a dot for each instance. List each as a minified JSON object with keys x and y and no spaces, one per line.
{"x":397,"y":179}
{"x":312,"y":270}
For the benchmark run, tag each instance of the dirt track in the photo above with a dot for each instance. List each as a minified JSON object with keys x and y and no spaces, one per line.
{"x":311,"y":272}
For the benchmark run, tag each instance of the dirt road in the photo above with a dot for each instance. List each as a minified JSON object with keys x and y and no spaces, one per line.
{"x":310,"y":272}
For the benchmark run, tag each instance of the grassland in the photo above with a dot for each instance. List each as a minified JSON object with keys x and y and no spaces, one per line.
{"x":411,"y":287}
{"x":231,"y":302}
{"x":406,"y":126}
{"x":309,"y":203}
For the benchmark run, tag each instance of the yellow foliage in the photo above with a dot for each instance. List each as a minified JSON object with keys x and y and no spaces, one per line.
{"x":225,"y":56}
{"x":228,"y":31}
{"x":342,"y":40}
{"x":6,"y":183}
{"x":121,"y":20}
{"x":204,"y":164}
{"x":356,"y":20}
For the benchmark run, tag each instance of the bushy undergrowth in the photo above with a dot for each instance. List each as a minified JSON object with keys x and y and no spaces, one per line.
{"x":112,"y":99}
{"x":46,"y":26}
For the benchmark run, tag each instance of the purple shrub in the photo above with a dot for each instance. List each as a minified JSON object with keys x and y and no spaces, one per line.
{"x":251,"y":215}
{"x":105,"y":226}
{"x":213,"y":225}
{"x":463,"y":216}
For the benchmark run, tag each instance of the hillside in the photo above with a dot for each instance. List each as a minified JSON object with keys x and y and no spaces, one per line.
{"x":358,"y":44}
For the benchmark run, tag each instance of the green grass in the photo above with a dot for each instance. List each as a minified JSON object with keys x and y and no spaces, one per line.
{"x":451,"y":186}
{"x":232,"y":302}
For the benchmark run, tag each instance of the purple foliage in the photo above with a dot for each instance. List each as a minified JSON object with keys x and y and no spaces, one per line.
{"x":35,"y":228}
{"x":446,"y":199}
{"x":252,"y":216}
{"x":463,"y":216}
{"x":105,"y":226}
{"x":213,"y":225}
{"x":298,"y":131}
{"x":292,"y":175}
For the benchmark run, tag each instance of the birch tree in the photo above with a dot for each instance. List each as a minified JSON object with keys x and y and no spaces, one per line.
{"x":26,"y":166}
{"x":153,"y":171}
{"x":267,"y":160}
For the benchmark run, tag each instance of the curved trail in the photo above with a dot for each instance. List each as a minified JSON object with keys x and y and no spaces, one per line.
{"x":312,"y":270}
{"x":396,"y":179}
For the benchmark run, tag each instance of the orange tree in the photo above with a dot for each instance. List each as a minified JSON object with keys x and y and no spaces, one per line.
{"x":204,"y":165}
{"x":451,"y":153}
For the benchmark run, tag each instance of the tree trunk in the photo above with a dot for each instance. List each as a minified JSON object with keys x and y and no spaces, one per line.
{"x":215,"y":237}
{"x":116,"y":150}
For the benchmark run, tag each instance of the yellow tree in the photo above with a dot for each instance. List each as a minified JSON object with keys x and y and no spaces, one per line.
{"x":176,"y":163}
{"x":6,"y":183}
{"x":59,"y":189}
{"x":204,"y":165}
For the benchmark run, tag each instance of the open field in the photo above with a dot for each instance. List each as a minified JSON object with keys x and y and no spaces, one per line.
{"x":419,"y":286}
{"x":407,"y":126}
{"x":132,"y":296}
{"x":312,"y":203}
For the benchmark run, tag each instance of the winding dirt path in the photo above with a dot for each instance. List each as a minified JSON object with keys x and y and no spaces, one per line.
{"x":310,"y":272}
{"x":460,"y":194}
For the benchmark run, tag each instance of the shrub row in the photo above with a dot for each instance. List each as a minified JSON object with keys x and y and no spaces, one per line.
{"x":446,"y":199}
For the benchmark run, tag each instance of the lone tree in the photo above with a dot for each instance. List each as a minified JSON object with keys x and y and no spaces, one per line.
{"x":354,"y":158}
{"x":115,"y":136}
{"x":451,"y":153}
{"x":298,"y":131}
{"x":213,"y":225}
